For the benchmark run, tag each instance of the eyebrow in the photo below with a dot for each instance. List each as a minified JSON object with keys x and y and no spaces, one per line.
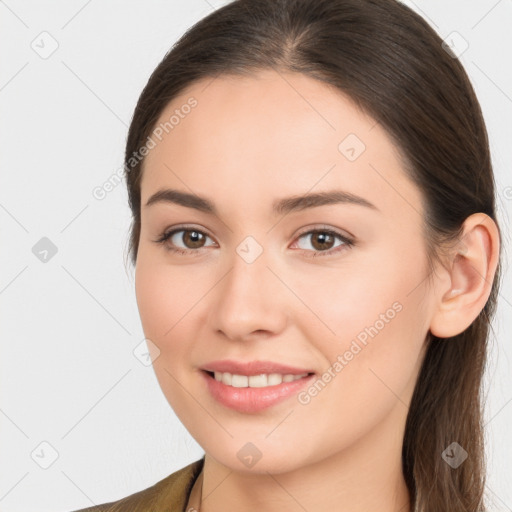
{"x":279,"y":207}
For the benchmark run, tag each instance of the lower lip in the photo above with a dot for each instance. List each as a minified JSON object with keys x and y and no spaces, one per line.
{"x":250,"y":400}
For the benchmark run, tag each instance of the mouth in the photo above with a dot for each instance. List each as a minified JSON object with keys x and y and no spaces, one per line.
{"x":254,"y":393}
{"x":261,"y":380}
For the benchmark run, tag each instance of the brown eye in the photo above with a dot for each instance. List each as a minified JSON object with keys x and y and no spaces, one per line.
{"x":192,"y":239}
{"x":184,"y":241}
{"x":323,"y":242}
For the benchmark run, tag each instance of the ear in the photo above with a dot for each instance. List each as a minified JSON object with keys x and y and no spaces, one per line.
{"x":470,"y":274}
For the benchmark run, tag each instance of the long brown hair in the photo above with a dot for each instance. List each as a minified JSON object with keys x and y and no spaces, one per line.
{"x":393,"y":65}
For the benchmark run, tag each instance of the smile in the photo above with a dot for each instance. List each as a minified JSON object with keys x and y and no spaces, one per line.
{"x":256,"y":381}
{"x":252,"y":394}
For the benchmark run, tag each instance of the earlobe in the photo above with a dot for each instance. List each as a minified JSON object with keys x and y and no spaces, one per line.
{"x":472,"y":268}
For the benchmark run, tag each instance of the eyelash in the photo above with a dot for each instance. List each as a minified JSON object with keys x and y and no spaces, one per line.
{"x":347,"y":242}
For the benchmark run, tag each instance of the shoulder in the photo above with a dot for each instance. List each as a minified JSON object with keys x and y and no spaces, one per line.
{"x":169,"y":494}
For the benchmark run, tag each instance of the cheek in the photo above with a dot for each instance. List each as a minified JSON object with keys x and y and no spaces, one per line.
{"x":165,"y":294}
{"x":377,"y":376}
{"x":172,"y":300}
{"x":338,"y":304}
{"x":370,"y":323}
{"x":164,"y":303}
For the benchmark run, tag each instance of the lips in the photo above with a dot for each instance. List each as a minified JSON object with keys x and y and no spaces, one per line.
{"x":253,"y":368}
{"x":253,"y":399}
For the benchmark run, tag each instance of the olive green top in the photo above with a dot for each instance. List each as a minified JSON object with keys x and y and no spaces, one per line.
{"x":168,"y":495}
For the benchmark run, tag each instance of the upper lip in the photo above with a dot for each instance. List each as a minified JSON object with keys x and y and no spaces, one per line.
{"x":253,"y":367}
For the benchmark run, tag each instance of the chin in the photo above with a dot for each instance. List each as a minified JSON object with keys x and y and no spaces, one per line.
{"x":258,"y":457}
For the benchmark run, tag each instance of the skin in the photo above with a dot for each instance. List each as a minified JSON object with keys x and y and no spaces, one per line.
{"x":250,"y":141}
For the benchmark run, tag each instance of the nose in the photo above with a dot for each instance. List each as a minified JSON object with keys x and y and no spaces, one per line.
{"x":249,"y":302}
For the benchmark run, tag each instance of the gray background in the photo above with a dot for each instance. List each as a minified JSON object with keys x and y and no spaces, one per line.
{"x":70,"y":325}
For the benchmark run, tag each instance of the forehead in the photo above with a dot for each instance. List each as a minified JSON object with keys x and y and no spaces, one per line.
{"x":277,"y":133}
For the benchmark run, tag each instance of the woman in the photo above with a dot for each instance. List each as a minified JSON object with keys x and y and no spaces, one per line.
{"x":317,"y":260}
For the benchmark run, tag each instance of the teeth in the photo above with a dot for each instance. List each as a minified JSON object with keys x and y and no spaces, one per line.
{"x":239,"y":381}
{"x":255,"y":381}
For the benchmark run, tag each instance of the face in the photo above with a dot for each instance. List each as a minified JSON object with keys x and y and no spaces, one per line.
{"x":333,"y":287}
